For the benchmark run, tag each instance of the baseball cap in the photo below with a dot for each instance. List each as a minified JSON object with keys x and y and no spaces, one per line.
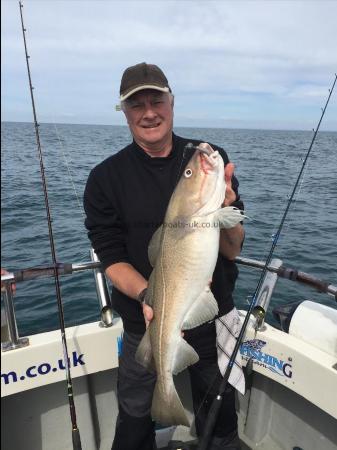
{"x":142,"y":76}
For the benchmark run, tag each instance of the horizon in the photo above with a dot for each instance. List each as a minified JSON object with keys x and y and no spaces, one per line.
{"x":174,"y":126}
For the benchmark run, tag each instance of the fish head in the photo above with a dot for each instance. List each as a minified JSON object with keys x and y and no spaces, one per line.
{"x":201,"y":188}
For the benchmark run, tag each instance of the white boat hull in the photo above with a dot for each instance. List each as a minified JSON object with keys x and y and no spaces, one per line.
{"x":292,"y":401}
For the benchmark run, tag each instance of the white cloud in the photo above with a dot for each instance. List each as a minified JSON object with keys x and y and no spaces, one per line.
{"x":282,"y":49}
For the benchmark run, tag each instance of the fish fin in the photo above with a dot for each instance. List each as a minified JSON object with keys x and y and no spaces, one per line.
{"x":144,"y":355}
{"x":204,"y":308}
{"x":154,"y":246}
{"x":184,"y":356}
{"x":167,"y":408}
{"x":229,"y":216}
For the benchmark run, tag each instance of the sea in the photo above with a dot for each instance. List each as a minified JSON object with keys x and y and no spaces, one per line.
{"x":267,"y":164}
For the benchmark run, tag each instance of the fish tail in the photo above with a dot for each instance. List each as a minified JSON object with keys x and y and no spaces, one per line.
{"x":167,"y":408}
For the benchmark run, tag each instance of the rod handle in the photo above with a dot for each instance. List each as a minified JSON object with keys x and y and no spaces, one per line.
{"x":76,"y":439}
{"x":210,"y":423}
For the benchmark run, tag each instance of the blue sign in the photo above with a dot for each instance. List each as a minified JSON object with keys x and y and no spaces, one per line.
{"x":252,"y":349}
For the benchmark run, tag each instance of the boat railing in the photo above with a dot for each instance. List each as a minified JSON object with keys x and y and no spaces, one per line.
{"x":274,"y":270}
{"x":10,"y":339}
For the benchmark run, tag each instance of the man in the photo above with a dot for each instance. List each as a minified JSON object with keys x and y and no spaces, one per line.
{"x":125,"y":201}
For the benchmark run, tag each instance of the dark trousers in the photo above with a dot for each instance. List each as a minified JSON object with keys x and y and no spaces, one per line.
{"x":135,"y":428}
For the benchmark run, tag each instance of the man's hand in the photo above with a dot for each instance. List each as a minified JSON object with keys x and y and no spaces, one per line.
{"x":230,"y":239}
{"x":230,"y":196}
{"x":147,"y":310}
{"x":148,"y":314}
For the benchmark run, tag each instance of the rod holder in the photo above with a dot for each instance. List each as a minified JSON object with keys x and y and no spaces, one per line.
{"x":102,"y":293}
{"x":13,"y":340}
{"x":266,"y":292}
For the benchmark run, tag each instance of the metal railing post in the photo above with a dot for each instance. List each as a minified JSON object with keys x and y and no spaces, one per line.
{"x":102,"y":293}
{"x":13,"y":341}
{"x":266,"y":292}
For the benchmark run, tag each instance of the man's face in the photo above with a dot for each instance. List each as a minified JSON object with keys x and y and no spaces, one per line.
{"x":150,"y":117}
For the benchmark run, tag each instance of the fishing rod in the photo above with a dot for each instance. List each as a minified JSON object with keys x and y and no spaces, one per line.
{"x":75,"y":431}
{"x":216,"y":404}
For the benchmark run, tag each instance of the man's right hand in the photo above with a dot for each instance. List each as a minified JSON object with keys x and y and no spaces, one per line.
{"x":148,"y":314}
{"x":129,"y":281}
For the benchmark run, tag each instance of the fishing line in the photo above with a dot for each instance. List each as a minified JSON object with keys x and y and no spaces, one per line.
{"x":217,"y":402}
{"x":80,"y":206}
{"x":289,"y":222}
{"x":296,"y":198}
{"x":287,"y":179}
{"x":70,"y":176}
{"x":75,"y":431}
{"x":84,"y":254}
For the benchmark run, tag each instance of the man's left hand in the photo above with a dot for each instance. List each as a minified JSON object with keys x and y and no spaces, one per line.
{"x":230,"y":195}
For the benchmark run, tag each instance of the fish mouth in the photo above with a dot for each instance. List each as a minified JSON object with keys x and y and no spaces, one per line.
{"x":208,"y":159}
{"x":205,"y":150}
{"x":208,"y":156}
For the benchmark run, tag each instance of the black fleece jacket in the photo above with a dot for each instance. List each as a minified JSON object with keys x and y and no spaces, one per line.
{"x":125,"y":201}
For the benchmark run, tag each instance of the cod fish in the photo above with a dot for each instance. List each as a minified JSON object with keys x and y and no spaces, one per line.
{"x":183,"y":253}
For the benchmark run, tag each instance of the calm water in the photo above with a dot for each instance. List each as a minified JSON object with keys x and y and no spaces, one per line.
{"x":267,"y":164}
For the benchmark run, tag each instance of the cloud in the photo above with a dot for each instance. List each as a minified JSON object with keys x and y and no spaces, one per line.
{"x":244,"y":50}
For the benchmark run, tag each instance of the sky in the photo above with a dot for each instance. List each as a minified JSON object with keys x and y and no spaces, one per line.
{"x":230,"y":64}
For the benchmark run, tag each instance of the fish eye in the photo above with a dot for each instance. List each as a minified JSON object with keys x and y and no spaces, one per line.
{"x":188,"y":173}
